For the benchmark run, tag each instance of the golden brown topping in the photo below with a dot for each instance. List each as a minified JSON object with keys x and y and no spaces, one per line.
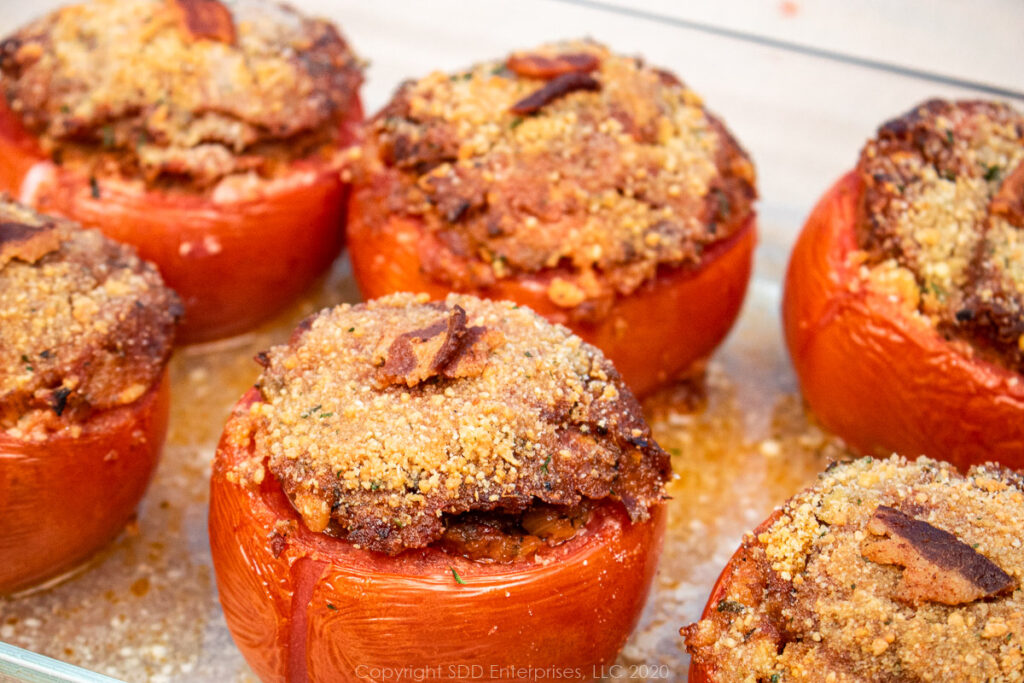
{"x":84,"y":324}
{"x":944,"y":202}
{"x":541,"y":417}
{"x":180,"y":91}
{"x":938,"y":566}
{"x":446,"y":348}
{"x":819,"y":593}
{"x":545,"y":67}
{"x":567,"y":158}
{"x":205,"y":20}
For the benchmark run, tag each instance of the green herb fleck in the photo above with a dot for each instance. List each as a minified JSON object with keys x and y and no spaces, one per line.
{"x":975,"y":545}
{"x":731,"y":606}
{"x":775,"y":678}
{"x":949,"y":136}
{"x":108,"y":136}
{"x":949,"y":174}
{"x":323,"y":415}
{"x":675,"y":451}
{"x":527,"y":354}
{"x":330,"y":606}
{"x":351,"y":329}
{"x":94,"y":187}
{"x":992,"y":173}
{"x":516,"y":122}
{"x":374,"y":485}
{"x":309,"y":412}
{"x":458,"y":579}
{"x":544,"y":467}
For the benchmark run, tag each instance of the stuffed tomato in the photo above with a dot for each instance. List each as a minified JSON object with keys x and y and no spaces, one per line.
{"x":587,"y":185}
{"x":455,"y":485}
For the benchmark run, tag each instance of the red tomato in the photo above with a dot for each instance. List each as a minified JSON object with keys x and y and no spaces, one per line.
{"x":306,"y":606}
{"x":652,"y":336}
{"x":65,"y":497}
{"x":883,"y":380}
{"x":234,"y":263}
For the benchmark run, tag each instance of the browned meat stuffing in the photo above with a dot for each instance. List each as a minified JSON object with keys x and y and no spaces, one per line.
{"x":487,"y":408}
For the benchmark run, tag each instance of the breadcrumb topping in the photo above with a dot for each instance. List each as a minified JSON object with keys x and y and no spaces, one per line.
{"x":180,"y":91}
{"x":85,"y":325}
{"x":566,"y":156}
{"x":885,"y":570}
{"x":497,"y":410}
{"x":945,"y":202}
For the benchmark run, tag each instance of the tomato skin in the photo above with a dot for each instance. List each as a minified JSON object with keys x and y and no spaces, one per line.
{"x":323,"y":610}
{"x":652,"y":336}
{"x":705,"y":671}
{"x":64,"y":498}
{"x":881,"y":379}
{"x":234,"y":263}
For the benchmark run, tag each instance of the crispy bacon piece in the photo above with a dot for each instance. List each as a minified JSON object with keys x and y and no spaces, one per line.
{"x":26,"y":242}
{"x":447,"y":348}
{"x":205,"y":20}
{"x":938,"y":567}
{"x":554,"y":89}
{"x":546,"y":68}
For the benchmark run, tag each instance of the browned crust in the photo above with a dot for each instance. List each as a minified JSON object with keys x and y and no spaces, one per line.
{"x":543,"y":417}
{"x":85,"y":325}
{"x":182,"y":93}
{"x":546,"y":160}
{"x":911,"y":211}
